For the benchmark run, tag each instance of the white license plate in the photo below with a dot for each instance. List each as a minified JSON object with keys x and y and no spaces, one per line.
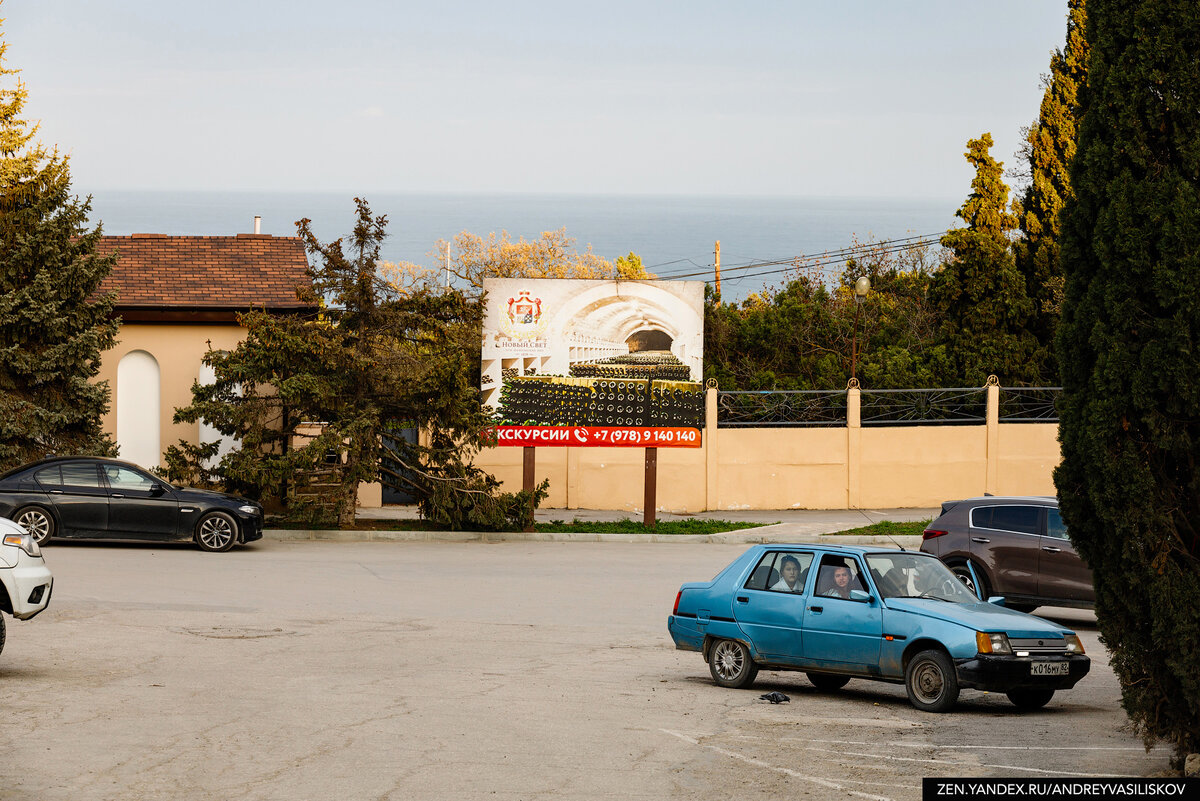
{"x":1049,"y":669}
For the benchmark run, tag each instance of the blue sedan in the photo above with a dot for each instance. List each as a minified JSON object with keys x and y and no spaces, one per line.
{"x":838,"y":613}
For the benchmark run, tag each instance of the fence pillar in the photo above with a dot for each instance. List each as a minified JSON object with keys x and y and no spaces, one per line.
{"x":709,"y":440}
{"x":993,"y":435}
{"x":853,"y":445}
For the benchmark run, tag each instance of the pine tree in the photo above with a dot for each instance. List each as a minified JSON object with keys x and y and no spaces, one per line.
{"x":52,"y":327}
{"x":980,"y":294}
{"x":1129,"y":348}
{"x":1049,"y":148}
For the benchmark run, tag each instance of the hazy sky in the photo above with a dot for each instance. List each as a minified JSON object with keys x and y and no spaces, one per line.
{"x":836,"y":97}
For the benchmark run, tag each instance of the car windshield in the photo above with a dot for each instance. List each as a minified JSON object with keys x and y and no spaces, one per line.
{"x":915,"y":575}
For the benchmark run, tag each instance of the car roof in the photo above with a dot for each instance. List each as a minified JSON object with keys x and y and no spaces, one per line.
{"x":982,"y":499}
{"x":53,"y":459}
{"x":830,"y":547}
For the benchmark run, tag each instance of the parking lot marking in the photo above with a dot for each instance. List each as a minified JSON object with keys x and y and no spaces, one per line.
{"x":785,"y":771}
{"x":996,"y":747}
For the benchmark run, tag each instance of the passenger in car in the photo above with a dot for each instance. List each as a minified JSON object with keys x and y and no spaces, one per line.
{"x":789,"y":576}
{"x":841,"y":583}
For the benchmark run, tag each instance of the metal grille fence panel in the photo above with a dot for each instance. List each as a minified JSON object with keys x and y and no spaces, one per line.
{"x":942,"y":406}
{"x":1029,"y":404}
{"x":815,"y":407}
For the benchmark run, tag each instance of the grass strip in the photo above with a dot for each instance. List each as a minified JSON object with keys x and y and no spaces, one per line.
{"x":889,"y":528}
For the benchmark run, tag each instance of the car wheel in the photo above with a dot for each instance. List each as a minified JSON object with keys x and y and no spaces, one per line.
{"x":730,"y":664}
{"x":1,"y":632}
{"x":1030,"y":697}
{"x":827,"y":681}
{"x":931,"y":681}
{"x":216,"y":531}
{"x":964,"y":575}
{"x":38,"y":522}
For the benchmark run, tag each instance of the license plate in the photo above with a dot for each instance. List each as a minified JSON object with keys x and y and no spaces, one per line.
{"x":1049,"y":669}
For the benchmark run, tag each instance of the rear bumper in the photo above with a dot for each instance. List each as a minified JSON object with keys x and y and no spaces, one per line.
{"x":686,"y":633}
{"x":1001,"y":673}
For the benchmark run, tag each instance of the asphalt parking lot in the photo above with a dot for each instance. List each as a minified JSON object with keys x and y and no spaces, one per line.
{"x":429,"y":670}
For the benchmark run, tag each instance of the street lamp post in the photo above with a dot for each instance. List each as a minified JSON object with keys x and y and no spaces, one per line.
{"x":861,"y":287}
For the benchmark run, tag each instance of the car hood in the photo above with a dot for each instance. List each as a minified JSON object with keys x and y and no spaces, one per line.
{"x":209,"y":496}
{"x":980,"y":616}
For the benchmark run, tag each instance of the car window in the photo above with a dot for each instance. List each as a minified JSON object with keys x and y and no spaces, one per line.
{"x":837,"y":576}
{"x":1055,"y":527}
{"x":775,"y":567}
{"x":125,"y":479}
{"x":80,"y":475}
{"x":49,"y":476}
{"x":1019,"y":519}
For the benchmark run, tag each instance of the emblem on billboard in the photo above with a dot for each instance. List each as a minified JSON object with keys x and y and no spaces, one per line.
{"x":523,"y":317}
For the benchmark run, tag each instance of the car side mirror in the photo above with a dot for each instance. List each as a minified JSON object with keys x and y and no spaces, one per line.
{"x":158,"y":489}
{"x":859,"y":595}
{"x":998,"y":600}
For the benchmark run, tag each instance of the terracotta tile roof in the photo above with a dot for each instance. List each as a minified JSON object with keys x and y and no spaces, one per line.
{"x":157,"y":271}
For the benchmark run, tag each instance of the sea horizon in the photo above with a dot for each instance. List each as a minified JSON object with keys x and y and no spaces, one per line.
{"x":673,"y":234}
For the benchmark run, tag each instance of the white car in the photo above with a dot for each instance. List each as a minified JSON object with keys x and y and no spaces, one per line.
{"x":25,"y":581}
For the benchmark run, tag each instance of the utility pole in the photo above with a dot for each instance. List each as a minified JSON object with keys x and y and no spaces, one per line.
{"x":717,"y":256}
{"x":447,"y":265}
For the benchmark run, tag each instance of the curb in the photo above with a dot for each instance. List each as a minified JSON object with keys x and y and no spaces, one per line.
{"x":751,"y":537}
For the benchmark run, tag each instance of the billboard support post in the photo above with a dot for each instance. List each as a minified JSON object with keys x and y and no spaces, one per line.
{"x":527,"y":477}
{"x":651,"y":485}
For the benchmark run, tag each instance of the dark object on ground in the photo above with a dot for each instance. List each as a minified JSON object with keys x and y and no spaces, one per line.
{"x":775,"y":698}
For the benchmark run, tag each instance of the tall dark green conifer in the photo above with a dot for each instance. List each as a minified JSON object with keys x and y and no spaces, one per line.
{"x":52,"y":330}
{"x":1049,"y":148}
{"x":1129,"y":352}
{"x":979,"y":292}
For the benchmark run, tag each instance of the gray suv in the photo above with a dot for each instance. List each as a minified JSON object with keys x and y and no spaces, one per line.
{"x":1012,"y":546}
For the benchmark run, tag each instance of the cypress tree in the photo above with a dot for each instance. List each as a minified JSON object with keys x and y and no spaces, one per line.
{"x":1049,"y":148}
{"x":52,"y":328}
{"x":979,"y":291}
{"x":1129,"y":482}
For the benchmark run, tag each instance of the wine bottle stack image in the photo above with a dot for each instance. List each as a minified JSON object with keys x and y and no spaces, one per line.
{"x":653,"y":365}
{"x":577,"y":401}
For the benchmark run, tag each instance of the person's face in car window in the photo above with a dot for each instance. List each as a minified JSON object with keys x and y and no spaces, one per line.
{"x":790,"y":572}
{"x":841,"y":578}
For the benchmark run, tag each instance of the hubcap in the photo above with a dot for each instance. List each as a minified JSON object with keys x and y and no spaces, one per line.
{"x":928,"y":682}
{"x":965,"y":578}
{"x":728,"y":660}
{"x":36,"y":524}
{"x":216,"y":532}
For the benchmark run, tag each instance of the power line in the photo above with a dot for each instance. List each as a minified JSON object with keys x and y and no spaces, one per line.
{"x":829,"y":257}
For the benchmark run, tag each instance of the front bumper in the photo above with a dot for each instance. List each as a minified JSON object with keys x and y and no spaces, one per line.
{"x":1004,"y":672}
{"x":251,"y":526}
{"x":30,"y":583}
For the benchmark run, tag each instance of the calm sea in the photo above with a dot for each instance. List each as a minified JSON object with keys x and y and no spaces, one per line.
{"x":674,"y":235}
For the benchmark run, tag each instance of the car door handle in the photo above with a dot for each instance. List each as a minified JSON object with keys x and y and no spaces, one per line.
{"x":1051,"y":550}
{"x":980,"y":539}
{"x":116,"y":495}
{"x":56,"y":492}
{"x":742,"y":599}
{"x":816,"y":609}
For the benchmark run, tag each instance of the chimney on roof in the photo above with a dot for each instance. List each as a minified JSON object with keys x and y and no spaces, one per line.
{"x":257,"y":224}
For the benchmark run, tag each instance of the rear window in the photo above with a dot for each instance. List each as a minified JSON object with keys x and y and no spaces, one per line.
{"x":1018,"y":519}
{"x":80,"y":475}
{"x":776,"y":568}
{"x":49,"y":477}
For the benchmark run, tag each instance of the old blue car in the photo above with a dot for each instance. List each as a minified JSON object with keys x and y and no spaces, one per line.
{"x":838,"y":613}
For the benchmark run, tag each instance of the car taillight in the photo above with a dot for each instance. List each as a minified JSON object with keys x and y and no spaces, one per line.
{"x":675,"y":609}
{"x":931,"y":533}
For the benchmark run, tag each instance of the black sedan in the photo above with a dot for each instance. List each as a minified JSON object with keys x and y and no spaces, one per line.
{"x":91,"y":498}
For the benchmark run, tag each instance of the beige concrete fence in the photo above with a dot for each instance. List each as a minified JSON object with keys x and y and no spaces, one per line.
{"x":847,"y":466}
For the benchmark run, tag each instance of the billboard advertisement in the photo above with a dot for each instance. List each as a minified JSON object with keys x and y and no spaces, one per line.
{"x":585,"y":363}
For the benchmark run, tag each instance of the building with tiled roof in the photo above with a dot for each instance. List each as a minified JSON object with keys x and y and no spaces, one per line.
{"x":178,"y":296}
{"x":204,"y":278}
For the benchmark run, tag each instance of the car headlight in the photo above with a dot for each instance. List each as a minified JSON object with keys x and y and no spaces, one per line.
{"x":992,"y":642}
{"x":1074,"y":646}
{"x":25,"y":542}
{"x":248,"y":509}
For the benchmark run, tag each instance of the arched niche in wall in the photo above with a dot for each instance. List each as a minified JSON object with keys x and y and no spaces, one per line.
{"x":649,"y":339}
{"x":139,"y":416}
{"x":208,"y":434}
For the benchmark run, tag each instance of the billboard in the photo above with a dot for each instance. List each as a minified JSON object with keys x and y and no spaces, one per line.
{"x":594,"y":363}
